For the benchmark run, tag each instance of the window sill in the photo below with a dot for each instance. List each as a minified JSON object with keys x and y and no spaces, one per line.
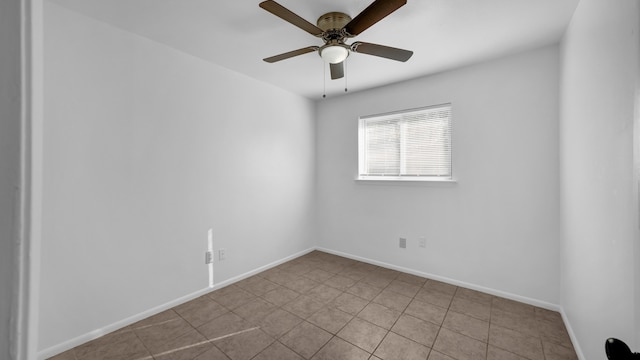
{"x":392,"y":179}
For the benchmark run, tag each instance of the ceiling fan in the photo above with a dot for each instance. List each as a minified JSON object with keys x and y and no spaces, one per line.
{"x":335,"y":28}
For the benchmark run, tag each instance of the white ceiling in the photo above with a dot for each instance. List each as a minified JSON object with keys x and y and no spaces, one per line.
{"x":237,"y":34}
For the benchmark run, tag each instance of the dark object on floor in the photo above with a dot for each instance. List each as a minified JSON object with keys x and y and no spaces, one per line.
{"x":618,"y":350}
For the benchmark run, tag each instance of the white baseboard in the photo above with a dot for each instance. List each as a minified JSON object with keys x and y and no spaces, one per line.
{"x":79,"y":340}
{"x":235,"y":279}
{"x":70,"y":344}
{"x":523,"y":299}
{"x":572,"y":335}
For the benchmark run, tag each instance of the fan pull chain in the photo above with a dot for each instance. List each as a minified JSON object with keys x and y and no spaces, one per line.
{"x":345,"y":75}
{"x":324,"y":80}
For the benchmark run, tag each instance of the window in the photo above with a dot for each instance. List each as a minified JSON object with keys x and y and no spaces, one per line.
{"x":407,"y":145}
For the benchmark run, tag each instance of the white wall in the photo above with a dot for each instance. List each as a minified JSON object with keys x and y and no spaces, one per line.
{"x":498,"y":226}
{"x":599,"y":193}
{"x":145,"y":148}
{"x":9,"y":159}
{"x":139,"y":163}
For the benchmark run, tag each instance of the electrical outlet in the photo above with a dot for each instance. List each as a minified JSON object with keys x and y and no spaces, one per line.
{"x":208,"y":257}
{"x":222,"y":254}
{"x":403,"y":243}
{"x":423,"y":242}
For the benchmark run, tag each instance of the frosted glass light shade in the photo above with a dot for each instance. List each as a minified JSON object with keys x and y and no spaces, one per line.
{"x":334,"y":54}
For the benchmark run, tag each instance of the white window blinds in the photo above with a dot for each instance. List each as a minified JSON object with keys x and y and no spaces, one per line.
{"x":412,"y":143}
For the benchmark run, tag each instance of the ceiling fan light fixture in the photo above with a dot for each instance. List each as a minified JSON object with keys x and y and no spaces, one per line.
{"x":334,"y":54}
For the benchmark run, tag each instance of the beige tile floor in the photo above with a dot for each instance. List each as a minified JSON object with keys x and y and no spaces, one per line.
{"x":325,"y":307}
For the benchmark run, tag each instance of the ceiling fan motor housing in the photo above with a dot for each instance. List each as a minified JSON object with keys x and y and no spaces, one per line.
{"x":333,"y":21}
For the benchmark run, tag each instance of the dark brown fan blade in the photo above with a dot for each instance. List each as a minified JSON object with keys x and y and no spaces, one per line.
{"x":381,"y":50}
{"x":375,"y":12}
{"x":287,"y":15}
{"x":290,"y":54}
{"x":337,"y":70}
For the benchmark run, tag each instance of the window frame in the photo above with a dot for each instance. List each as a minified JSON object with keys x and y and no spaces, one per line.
{"x":361,"y":174}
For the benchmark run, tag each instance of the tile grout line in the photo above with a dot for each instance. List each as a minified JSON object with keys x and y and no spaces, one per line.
{"x":200,"y":333}
{"x":388,"y":331}
{"x":402,"y":312}
{"x":142,"y":342}
{"x":440,"y":327}
{"x":489,"y":330}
